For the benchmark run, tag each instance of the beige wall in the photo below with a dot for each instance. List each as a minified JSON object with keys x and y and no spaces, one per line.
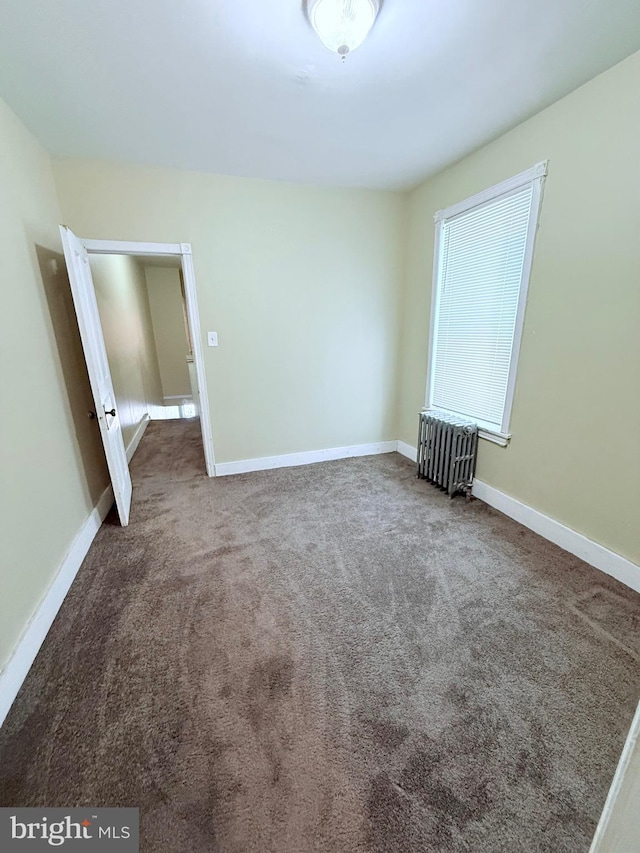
{"x":165,"y":299}
{"x":125,"y":316}
{"x":53,"y":469}
{"x":300,"y":283}
{"x":576,"y":413}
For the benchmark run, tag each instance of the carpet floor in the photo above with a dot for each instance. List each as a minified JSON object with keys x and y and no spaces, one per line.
{"x":329,"y":658}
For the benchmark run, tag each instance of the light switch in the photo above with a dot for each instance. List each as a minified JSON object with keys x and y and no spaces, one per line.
{"x":212,"y":339}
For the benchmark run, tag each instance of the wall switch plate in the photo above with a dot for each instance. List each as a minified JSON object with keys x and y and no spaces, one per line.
{"x":212,"y":339}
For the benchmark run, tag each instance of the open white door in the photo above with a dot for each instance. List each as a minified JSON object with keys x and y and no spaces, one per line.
{"x":95,"y":353}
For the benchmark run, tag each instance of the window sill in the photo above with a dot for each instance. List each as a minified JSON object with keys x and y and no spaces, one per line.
{"x":499,"y":438}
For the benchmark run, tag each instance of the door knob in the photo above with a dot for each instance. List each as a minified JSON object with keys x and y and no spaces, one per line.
{"x":111,"y":412}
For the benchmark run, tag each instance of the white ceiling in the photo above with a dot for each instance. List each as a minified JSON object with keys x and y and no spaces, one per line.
{"x":245,"y":87}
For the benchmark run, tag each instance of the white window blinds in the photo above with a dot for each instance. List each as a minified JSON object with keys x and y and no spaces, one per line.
{"x":480,"y":272}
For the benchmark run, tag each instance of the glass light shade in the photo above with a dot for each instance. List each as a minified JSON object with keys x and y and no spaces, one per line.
{"x":342,"y":24}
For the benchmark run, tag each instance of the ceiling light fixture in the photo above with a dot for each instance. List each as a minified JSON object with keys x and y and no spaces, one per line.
{"x":342,"y":24}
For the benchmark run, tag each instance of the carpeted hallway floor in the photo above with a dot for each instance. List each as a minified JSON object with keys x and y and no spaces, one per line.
{"x":332,"y":658}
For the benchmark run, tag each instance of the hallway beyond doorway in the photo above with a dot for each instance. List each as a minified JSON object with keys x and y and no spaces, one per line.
{"x":170,"y":451}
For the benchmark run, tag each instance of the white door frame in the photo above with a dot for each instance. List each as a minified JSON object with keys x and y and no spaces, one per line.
{"x":183,"y":251}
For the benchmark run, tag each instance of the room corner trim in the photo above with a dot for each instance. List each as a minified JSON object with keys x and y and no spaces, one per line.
{"x":137,"y":438}
{"x":407,"y":450}
{"x":617,"y":818}
{"x":19,"y":664}
{"x":265,"y":463}
{"x":576,"y":543}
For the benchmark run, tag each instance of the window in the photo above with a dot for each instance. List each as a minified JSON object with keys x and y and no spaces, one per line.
{"x":483,"y":253}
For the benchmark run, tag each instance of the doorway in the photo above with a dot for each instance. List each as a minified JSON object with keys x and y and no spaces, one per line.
{"x":169,"y":259}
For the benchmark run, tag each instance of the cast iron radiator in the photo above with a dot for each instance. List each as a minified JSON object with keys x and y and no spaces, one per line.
{"x":447,"y":447}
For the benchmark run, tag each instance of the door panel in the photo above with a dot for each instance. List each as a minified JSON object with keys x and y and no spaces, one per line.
{"x":95,"y":353}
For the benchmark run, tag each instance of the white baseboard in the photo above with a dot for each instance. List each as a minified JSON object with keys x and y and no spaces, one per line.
{"x":15,"y":671}
{"x":137,"y":438}
{"x":407,"y":450}
{"x":308,"y":457}
{"x":170,"y":399}
{"x":576,"y":543}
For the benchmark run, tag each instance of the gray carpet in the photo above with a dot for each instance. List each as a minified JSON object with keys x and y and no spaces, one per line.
{"x":328,"y":658}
